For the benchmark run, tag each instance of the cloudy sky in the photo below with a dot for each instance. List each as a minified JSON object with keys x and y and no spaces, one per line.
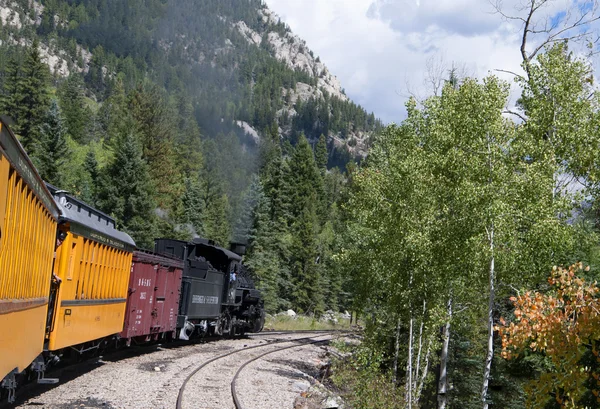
{"x":380,"y":49}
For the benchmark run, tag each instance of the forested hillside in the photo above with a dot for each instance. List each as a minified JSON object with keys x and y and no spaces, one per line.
{"x":186,"y":118}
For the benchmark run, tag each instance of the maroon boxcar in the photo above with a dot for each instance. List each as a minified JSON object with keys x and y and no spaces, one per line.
{"x":153,"y":299}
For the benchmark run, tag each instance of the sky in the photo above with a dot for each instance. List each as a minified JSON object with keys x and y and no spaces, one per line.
{"x":381,"y":49}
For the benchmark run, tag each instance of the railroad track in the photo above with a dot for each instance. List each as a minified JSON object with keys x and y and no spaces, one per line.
{"x":298,"y":342}
{"x":236,"y":399}
{"x":70,"y":371}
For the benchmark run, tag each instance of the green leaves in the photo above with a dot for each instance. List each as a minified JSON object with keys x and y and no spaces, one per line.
{"x":442,"y":195}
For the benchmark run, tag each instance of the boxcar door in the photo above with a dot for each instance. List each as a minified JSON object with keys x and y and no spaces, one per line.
{"x":140,"y":300}
{"x":159,"y":319}
{"x":172,"y":295}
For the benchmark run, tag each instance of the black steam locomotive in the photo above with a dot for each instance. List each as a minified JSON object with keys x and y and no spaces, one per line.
{"x":218,"y":295}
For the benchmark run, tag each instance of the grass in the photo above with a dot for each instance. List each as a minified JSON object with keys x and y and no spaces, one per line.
{"x":360,"y":382}
{"x":300,"y":322}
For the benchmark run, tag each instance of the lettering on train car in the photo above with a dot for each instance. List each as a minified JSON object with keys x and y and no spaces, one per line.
{"x":204,"y":299}
{"x":100,"y":238}
{"x":106,"y":240}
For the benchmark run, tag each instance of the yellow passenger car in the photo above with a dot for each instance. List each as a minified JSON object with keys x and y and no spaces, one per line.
{"x":28,"y":218}
{"x":93,"y":263}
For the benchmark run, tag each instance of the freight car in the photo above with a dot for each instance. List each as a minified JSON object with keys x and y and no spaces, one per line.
{"x":28,"y":219}
{"x":153,"y":298}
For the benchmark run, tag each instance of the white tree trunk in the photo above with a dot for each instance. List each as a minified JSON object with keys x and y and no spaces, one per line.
{"x":418,"y":366}
{"x":424,"y":375}
{"x":443,"y":381}
{"x":490,"y":346}
{"x":409,"y":368}
{"x":395,"y":375}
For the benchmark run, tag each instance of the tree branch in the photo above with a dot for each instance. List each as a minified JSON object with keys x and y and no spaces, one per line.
{"x":555,"y":37}
{"x":508,"y":111}
{"x":510,"y":72}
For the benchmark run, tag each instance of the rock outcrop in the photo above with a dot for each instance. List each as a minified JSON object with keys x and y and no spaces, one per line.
{"x":293,"y":51}
{"x":58,"y":60}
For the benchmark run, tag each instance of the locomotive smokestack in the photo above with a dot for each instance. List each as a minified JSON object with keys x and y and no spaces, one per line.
{"x":237,"y":248}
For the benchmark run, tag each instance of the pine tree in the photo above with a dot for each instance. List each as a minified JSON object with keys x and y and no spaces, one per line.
{"x":9,"y":98}
{"x":321,"y":155}
{"x":304,"y":181}
{"x":272,"y":172}
{"x":189,"y":138}
{"x":155,"y":127}
{"x":216,"y":220}
{"x":72,"y":101}
{"x":126,"y":191}
{"x":54,"y":153}
{"x":245,"y":220}
{"x":113,"y":115}
{"x":33,"y":99}
{"x":308,"y":288}
{"x":192,"y":207}
{"x":262,"y":257}
{"x":89,"y":179}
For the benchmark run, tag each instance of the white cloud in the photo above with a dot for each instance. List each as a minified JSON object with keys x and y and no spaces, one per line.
{"x":377,"y":47}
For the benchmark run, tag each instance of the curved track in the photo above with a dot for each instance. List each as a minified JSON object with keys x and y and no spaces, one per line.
{"x":179,"y":404}
{"x":234,"y":394}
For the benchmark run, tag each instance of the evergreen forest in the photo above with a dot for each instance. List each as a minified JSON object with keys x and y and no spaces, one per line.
{"x":465,"y":239}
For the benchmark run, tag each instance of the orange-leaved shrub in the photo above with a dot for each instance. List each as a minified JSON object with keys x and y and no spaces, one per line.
{"x":562,"y":324}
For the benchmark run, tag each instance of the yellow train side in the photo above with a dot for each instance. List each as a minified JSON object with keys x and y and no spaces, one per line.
{"x":28,"y":222}
{"x":93,"y":263}
{"x":93,"y":291}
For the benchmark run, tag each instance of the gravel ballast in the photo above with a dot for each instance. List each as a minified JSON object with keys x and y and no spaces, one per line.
{"x":152,"y":380}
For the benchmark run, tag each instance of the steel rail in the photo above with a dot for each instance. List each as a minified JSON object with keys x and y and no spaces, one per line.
{"x":234,"y":395}
{"x":179,"y":404}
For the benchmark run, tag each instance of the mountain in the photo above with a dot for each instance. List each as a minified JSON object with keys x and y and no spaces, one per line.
{"x":237,"y":62}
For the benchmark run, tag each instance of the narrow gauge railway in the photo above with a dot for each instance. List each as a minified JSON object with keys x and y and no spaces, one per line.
{"x":72,"y":284}
{"x":229,"y":381}
{"x":72,"y":371}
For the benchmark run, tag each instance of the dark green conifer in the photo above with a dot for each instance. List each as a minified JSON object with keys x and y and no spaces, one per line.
{"x":262,"y":256}
{"x":321,"y":155}
{"x":9,"y":98}
{"x":308,"y":288}
{"x":53,"y":156}
{"x":126,"y":191}
{"x":192,"y":207}
{"x":113,"y":115}
{"x":154,"y":123}
{"x":304,"y":180}
{"x":32,"y":98}
{"x":75,"y":111}
{"x":188,"y":138}
{"x":216,"y":220}
{"x":89,"y":179}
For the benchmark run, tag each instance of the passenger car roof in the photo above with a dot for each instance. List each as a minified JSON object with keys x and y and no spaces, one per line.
{"x":90,"y":222}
